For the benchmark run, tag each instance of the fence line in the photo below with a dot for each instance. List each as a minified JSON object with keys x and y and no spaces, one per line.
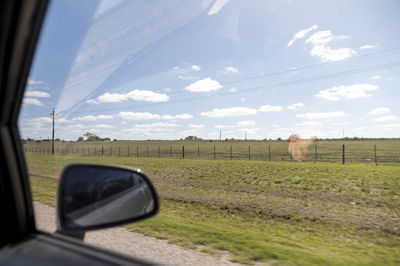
{"x":315,"y":153}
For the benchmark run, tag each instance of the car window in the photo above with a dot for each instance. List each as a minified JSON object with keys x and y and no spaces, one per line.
{"x":269,"y":128}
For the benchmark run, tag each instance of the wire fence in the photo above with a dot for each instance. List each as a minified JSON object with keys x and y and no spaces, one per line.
{"x":271,"y":151}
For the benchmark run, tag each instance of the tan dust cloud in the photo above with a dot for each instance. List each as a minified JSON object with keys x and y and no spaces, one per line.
{"x":298,"y":146}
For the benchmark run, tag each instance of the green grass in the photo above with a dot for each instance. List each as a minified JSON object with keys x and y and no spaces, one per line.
{"x":283,"y":213}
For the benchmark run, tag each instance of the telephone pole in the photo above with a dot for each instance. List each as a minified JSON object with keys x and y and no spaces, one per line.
{"x":52,"y":138}
{"x":245,"y":135}
{"x":220,"y":135}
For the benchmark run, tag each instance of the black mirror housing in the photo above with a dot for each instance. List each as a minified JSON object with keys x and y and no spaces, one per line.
{"x":92,"y":197}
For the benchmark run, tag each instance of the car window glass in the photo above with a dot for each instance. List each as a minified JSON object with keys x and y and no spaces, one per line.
{"x":264,"y":125}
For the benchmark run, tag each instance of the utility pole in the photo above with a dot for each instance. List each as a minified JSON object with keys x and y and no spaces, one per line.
{"x":52,"y":138}
{"x":245,"y":135}
{"x":220,"y":135}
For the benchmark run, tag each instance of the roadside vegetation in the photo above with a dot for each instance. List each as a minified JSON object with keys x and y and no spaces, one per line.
{"x":262,"y":212}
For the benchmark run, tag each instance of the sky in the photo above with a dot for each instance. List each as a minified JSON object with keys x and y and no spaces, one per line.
{"x":171,"y":69}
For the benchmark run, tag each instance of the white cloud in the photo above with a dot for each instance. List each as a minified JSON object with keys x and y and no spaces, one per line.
{"x":37,"y":94}
{"x":148,"y":96}
{"x":329,"y":54}
{"x":63,"y":120}
{"x":386,"y":118}
{"x":204,"y":85}
{"x":309,"y":124}
{"x":38,"y":120}
{"x":379,"y":110}
{"x":243,"y":99}
{"x":184,"y":116}
{"x":324,"y":37}
{"x":375,"y":77}
{"x":246,"y":123}
{"x":319,"y":41}
{"x":270,"y":108}
{"x":388,"y":127}
{"x":92,"y":101}
{"x":149,"y":116}
{"x":196,"y":126}
{"x":102,"y":117}
{"x":321,"y":115}
{"x":156,"y":125}
{"x":32,"y":81}
{"x":138,"y":116}
{"x":218,"y":5}
{"x":230,"y":112}
{"x":233,"y":89}
{"x":231,"y":69}
{"x":195,"y":68}
{"x":223,"y":126}
{"x":32,"y":101}
{"x":186,"y":69}
{"x":92,"y":118}
{"x":367,"y":46}
{"x":346,"y":92}
{"x":103,"y":126}
{"x":112,"y":98}
{"x":295,"y":106}
{"x":167,"y":117}
{"x":301,"y":34}
{"x":136,"y":95}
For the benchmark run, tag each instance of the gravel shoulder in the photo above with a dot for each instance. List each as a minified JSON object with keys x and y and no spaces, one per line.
{"x":121,"y":240}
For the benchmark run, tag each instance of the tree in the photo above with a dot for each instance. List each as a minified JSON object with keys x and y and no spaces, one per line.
{"x":91,"y":137}
{"x":80,"y":139}
{"x":192,"y":138}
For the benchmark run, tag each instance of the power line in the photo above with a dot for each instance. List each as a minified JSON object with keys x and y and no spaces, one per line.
{"x":272,"y":74}
{"x":261,"y":87}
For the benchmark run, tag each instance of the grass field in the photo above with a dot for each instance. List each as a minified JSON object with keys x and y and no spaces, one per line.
{"x":263,"y":212}
{"x":361,"y":151}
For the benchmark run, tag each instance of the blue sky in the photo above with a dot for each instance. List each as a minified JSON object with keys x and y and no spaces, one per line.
{"x":170,"y":69}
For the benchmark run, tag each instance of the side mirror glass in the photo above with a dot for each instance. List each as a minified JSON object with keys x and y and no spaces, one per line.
{"x":98,"y":196}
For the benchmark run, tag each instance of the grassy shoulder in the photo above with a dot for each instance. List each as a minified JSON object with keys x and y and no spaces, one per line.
{"x":284,"y":213}
{"x":250,"y":238}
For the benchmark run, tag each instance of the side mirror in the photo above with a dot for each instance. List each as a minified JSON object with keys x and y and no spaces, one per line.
{"x":94,"y":196}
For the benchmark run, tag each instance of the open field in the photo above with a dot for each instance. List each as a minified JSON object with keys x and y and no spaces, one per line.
{"x":263,"y":212}
{"x":361,"y":151}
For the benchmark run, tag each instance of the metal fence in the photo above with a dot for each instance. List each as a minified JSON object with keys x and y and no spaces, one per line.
{"x":317,"y":152}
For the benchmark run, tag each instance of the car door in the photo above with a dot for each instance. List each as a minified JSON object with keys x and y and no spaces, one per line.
{"x":20,"y":242}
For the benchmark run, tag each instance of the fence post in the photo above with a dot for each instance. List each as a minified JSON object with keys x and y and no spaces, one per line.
{"x":183,"y":151}
{"x":249,"y":153}
{"x":231,"y":151}
{"x":343,"y":154}
{"x":159,"y":152}
{"x":376,"y":161}
{"x":214,"y":153}
{"x":316,"y":153}
{"x":102,"y":150}
{"x":269,"y":152}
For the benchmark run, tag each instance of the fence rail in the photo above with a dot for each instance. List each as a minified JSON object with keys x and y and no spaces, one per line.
{"x":317,"y":152}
